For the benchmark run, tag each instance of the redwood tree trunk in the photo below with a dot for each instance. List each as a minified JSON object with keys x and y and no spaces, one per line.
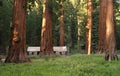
{"x":102,"y":26}
{"x":110,"y":32}
{"x":62,"y":24}
{"x":46,"y":34}
{"x":89,"y":27}
{"x":17,"y":48}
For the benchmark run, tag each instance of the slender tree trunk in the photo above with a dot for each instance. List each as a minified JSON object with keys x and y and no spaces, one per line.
{"x":46,"y":34}
{"x":17,"y":48}
{"x":62,"y":24}
{"x":89,"y":27}
{"x":102,"y":26}
{"x":110,"y":32}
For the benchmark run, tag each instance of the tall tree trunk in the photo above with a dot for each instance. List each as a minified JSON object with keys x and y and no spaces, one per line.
{"x":62,"y":24}
{"x":46,"y":34}
{"x":110,"y":32}
{"x":17,"y":48}
{"x":89,"y":27}
{"x":102,"y":26}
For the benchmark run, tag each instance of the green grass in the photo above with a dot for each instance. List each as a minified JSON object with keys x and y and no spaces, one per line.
{"x":73,"y":65}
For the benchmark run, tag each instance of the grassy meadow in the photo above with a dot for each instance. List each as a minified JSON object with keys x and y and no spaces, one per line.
{"x":72,"y":65}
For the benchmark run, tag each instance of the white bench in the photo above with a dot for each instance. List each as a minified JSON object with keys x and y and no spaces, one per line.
{"x":33,"y":50}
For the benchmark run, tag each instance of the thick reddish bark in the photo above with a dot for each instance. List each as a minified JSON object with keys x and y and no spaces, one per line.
{"x":62,"y":24}
{"x":102,"y":26}
{"x":17,"y":49}
{"x":89,"y":27}
{"x":46,"y":34}
{"x":110,"y":32}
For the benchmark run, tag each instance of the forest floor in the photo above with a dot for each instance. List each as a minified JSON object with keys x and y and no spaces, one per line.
{"x":72,"y":65}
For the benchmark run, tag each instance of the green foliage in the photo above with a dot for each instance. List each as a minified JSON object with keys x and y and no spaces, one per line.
{"x":117,"y":24}
{"x":95,"y":25}
{"x":5,"y":20}
{"x":1,"y":3}
{"x":70,"y":23}
{"x":34,"y":22}
{"x":74,"y":65}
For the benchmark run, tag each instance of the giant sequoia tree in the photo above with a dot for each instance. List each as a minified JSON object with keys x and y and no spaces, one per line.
{"x":46,"y":34}
{"x":110,"y":32}
{"x":89,"y":27}
{"x":17,"y":52}
{"x":102,"y":26}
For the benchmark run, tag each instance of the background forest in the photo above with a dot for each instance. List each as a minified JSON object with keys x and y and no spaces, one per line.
{"x":74,"y":23}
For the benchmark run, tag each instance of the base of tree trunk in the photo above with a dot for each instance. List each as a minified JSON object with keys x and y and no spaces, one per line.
{"x":14,"y":59}
{"x":110,"y":58}
{"x":42,"y":54}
